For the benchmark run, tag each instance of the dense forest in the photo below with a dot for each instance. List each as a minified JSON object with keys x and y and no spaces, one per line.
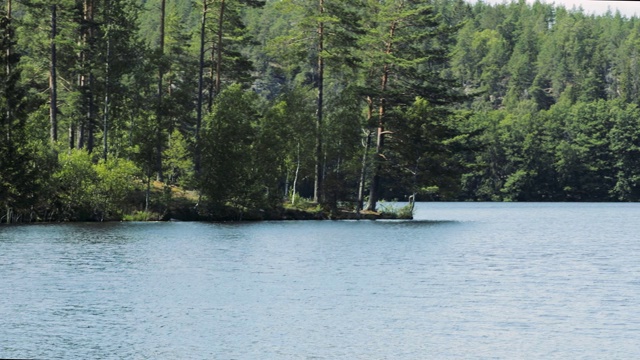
{"x":112,"y":107}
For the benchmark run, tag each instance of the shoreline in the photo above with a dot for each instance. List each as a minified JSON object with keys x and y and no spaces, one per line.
{"x":191,"y":214}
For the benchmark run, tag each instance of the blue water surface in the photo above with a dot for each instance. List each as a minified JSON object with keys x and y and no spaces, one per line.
{"x":462,"y":281}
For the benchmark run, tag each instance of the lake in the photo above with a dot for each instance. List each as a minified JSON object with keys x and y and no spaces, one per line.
{"x":463,"y":280}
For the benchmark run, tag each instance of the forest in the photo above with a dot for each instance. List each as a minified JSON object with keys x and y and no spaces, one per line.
{"x":217,"y":109}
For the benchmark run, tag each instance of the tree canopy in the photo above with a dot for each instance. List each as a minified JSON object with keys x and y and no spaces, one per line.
{"x":108,"y":107}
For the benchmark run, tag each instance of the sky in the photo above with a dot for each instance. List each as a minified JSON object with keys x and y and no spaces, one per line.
{"x":627,"y":8}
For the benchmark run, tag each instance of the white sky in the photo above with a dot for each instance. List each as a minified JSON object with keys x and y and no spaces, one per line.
{"x":627,"y":8}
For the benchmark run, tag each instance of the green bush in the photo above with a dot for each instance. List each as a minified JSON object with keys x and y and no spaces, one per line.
{"x":392,"y":211}
{"x":141,"y":216}
{"x":88,"y":191}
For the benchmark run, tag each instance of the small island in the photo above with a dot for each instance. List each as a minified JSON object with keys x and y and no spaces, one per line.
{"x":184,"y":206}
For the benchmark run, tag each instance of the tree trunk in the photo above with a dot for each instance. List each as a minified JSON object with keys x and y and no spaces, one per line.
{"x":159,"y":114}
{"x":363,"y":174}
{"x":90,"y":117}
{"x":147,"y":193}
{"x":80,"y":131}
{"x":317,"y":183}
{"x":72,"y":134}
{"x":295,"y":178}
{"x":216,"y":58}
{"x":105,"y":122}
{"x":53,"y":78}
{"x":200,"y":87}
{"x":375,"y":183}
{"x":220,"y":47}
{"x":76,"y":131}
{"x":90,"y":111}
{"x":8,"y":66}
{"x":211,"y":78}
{"x":364,"y":158}
{"x":86,"y":78}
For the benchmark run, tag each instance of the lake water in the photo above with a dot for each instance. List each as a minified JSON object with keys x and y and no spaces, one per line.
{"x":463,"y":280}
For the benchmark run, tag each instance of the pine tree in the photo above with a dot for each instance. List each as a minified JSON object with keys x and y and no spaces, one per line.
{"x":403,"y":59}
{"x":320,"y":41}
{"x":18,"y":177}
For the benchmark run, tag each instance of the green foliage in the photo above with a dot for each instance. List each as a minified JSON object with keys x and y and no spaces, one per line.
{"x":550,"y":110}
{"x":18,"y":176}
{"x":178,"y":161}
{"x":424,"y":141}
{"x":141,"y":216}
{"x":74,"y":182}
{"x":88,"y":191}
{"x":228,"y":139}
{"x":624,"y":142}
{"x":577,"y":152}
{"x":304,"y":204}
{"x":114,"y":187}
{"x":392,"y":211}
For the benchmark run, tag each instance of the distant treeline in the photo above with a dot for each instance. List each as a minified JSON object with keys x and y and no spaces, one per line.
{"x":557,"y":109}
{"x":249,"y":103}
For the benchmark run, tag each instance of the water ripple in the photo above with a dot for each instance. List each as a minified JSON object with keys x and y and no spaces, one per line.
{"x":486,"y":281}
